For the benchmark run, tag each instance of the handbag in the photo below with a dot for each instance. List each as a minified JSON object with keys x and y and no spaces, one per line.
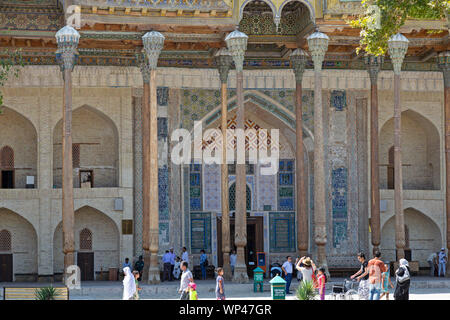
{"x":404,"y":277}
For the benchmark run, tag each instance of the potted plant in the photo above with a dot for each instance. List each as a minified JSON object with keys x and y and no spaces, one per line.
{"x":306,"y":291}
{"x":46,"y":293}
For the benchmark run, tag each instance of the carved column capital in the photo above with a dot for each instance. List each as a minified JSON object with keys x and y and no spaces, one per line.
{"x":373,"y":64}
{"x":144,"y":66}
{"x":298,"y":59}
{"x":223,"y":61}
{"x":444,"y":65}
{"x":66,"y":58}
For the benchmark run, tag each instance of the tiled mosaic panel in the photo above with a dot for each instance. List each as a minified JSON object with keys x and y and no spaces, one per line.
{"x":282,"y":231}
{"x":197,"y":103}
{"x":195,"y":187}
{"x":137,"y":162}
{"x":286,"y":193}
{"x":162,"y":94}
{"x":338,"y":99}
{"x":200,"y":232}
{"x":164,"y":233}
{"x":163,"y":192}
{"x":287,"y":99}
{"x":339,"y":181}
{"x":267,"y":192}
{"x":257,"y":24}
{"x":162,"y":128}
{"x":212,"y":187}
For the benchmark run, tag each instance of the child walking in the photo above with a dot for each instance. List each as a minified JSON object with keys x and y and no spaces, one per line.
{"x":192,"y":291}
{"x":220,"y":291}
{"x":386,"y":282}
{"x":321,"y":280}
{"x":136,"y":277}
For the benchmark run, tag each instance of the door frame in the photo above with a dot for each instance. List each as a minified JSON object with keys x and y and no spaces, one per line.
{"x":12,"y":265}
{"x":13,"y":177}
{"x":86,"y":253}
{"x":259,"y":234}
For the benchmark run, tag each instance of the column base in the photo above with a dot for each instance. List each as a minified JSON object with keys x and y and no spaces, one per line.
{"x":240,"y":274}
{"x":145,"y":271}
{"x":153,"y":276}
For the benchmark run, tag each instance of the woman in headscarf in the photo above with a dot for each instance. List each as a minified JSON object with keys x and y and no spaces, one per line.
{"x":129,"y":286}
{"x":402,"y":281}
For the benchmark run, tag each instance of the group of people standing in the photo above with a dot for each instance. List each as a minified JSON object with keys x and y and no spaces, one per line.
{"x":374,"y":278}
{"x":438,"y":262}
{"x":172,"y":263}
{"x":307,"y":269}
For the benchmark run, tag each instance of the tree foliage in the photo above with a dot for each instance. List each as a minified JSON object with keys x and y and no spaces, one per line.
{"x":10,"y":63}
{"x":377,"y":26}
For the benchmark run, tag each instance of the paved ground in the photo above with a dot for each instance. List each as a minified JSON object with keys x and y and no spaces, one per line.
{"x":422,"y":288}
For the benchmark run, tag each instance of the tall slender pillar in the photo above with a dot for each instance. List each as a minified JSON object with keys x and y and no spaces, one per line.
{"x":67,"y":39}
{"x":373,"y":64}
{"x":298,"y":59}
{"x":444,"y":64}
{"x":398,"y":45}
{"x":153,"y":43}
{"x":223,"y":60}
{"x":318,"y":45}
{"x":237,"y":44}
{"x":145,"y":70}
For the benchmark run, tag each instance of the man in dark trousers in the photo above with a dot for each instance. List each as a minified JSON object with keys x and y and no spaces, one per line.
{"x":287,"y":271}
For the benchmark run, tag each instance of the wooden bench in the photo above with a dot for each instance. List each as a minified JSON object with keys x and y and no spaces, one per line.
{"x":11,"y":293}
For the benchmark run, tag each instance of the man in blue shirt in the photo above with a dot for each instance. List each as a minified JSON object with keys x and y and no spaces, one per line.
{"x":287,"y":271}
{"x":127,"y":264}
{"x":172,"y":263}
{"x":166,"y":263}
{"x":203,"y":264}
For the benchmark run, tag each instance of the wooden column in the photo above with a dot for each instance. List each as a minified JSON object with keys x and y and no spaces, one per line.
{"x":145,"y":70}
{"x":66,"y":56}
{"x":240,"y":270}
{"x":398,"y":177}
{"x":373,"y":64}
{"x":318,"y":45}
{"x":299,"y":58}
{"x":444,"y":64}
{"x":223,"y":60}
{"x":154,"y":275}
{"x":68,"y":218}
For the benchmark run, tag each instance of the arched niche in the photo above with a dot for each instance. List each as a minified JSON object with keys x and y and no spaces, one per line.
{"x":18,"y":135}
{"x":23,"y":245}
{"x":420,"y":145}
{"x":95,"y":150}
{"x":105,"y":239}
{"x":424,"y":236}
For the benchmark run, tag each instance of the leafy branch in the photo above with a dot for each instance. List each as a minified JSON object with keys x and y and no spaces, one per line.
{"x":10,"y":63}
{"x":377,"y":26}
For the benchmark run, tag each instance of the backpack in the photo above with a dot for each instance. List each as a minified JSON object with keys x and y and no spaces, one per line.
{"x":206,"y":262}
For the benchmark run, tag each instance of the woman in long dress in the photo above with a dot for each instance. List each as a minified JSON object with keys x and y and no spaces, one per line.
{"x":129,"y":285}
{"x":402,"y":281}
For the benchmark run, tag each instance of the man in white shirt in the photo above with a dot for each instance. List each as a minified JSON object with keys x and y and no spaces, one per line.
{"x":287,"y":271}
{"x":185,"y":255}
{"x":232,"y":261}
{"x":186,"y":278}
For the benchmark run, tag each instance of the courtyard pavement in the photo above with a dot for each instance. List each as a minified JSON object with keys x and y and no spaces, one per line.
{"x":422,"y":288}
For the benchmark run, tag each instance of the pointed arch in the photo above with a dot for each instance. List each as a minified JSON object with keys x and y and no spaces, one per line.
{"x":95,"y":148}
{"x":232,"y":197}
{"x":105,"y":239}
{"x":246,"y":2}
{"x":420,"y":152}
{"x":306,"y":3}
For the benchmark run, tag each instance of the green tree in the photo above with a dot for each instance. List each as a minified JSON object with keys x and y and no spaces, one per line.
{"x":10,"y":63}
{"x":377,"y":26}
